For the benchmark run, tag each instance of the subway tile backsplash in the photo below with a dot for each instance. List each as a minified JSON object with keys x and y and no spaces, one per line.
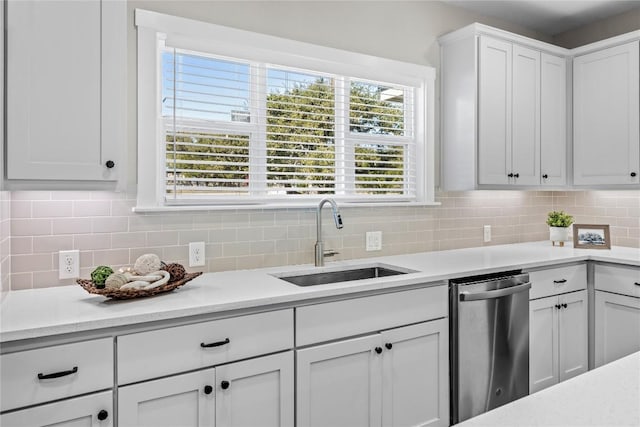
{"x":34,"y":226}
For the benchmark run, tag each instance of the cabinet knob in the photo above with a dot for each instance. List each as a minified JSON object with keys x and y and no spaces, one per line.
{"x":225,"y":384}
{"x":564,"y":305}
{"x":102,"y":415}
{"x":110,"y":164}
{"x":378,"y":350}
{"x":633,"y":174}
{"x":558,"y":306}
{"x":545,"y":176}
{"x":389,"y":346}
{"x":510,"y":175}
{"x":516,"y":175}
{"x":208,"y":389}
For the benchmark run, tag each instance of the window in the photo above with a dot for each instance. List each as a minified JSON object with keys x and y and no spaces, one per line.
{"x":269,"y":126}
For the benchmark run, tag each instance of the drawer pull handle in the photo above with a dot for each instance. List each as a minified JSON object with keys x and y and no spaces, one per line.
{"x":560,"y":281}
{"x":215,"y":344}
{"x":102,"y":415}
{"x":637,"y":283}
{"x":42,"y":376}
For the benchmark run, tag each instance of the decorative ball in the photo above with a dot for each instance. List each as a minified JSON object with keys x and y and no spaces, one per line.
{"x":116,"y":281}
{"x":176,"y":271}
{"x":100,"y":274}
{"x":147,"y":263}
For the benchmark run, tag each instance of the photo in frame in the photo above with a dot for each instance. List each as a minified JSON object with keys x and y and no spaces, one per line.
{"x":591,"y":236}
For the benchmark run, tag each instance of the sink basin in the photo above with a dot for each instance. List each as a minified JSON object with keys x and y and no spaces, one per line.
{"x":347,"y":275}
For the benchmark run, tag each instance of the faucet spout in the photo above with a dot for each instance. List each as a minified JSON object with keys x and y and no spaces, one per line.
{"x":319,"y":247}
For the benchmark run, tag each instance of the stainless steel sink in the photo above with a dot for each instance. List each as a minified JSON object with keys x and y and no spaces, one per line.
{"x":347,"y":275}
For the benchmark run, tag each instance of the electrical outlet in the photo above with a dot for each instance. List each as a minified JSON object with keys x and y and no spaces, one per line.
{"x":196,"y":254}
{"x":374,"y":240}
{"x":487,"y":233}
{"x":69,"y":264}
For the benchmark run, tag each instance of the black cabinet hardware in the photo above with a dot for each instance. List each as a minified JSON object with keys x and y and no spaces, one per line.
{"x":208,"y":389}
{"x":516,"y":175}
{"x":225,"y":384}
{"x":102,"y":415}
{"x":110,"y":163}
{"x":558,"y":306}
{"x":560,"y":281}
{"x":633,"y":174}
{"x":637,"y":283}
{"x":389,"y":346}
{"x":215,"y":344}
{"x":378,"y":350}
{"x":564,"y":305}
{"x":42,"y":376}
{"x":510,"y":175}
{"x":545,"y":176}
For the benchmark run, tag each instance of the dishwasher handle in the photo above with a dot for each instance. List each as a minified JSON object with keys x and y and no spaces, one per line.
{"x":475,"y":296}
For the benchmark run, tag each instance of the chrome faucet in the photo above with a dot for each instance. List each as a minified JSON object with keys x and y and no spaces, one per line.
{"x":320,"y":254}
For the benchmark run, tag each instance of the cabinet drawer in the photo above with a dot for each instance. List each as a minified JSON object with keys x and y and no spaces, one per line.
{"x":332,"y":320}
{"x":623,"y":280}
{"x":554,"y":281}
{"x":167,"y":351}
{"x":44,"y":374}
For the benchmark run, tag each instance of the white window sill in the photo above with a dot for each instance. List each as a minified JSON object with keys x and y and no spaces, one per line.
{"x":265,"y":206}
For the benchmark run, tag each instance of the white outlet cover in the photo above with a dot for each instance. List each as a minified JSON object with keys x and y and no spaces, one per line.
{"x":196,"y":254}
{"x":374,"y":241}
{"x":487,"y":233}
{"x":69,"y":264}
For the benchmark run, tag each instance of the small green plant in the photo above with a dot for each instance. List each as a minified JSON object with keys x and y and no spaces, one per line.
{"x":559,"y":219}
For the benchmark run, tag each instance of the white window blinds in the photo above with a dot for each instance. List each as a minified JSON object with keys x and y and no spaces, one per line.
{"x":236,"y":129}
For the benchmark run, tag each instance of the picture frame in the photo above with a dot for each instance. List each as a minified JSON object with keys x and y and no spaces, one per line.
{"x":591,"y":236}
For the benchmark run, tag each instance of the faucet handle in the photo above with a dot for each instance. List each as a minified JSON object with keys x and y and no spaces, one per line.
{"x":331,"y":252}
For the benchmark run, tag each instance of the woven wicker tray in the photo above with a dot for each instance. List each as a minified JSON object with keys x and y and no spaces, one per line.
{"x":135,"y":293}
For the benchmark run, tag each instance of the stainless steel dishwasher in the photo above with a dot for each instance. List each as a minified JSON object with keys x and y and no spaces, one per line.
{"x":489,"y":343}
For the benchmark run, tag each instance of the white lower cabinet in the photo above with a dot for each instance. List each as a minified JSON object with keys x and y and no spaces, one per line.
{"x":247,"y":393}
{"x":398,"y":377}
{"x":94,"y":410}
{"x":617,"y":326}
{"x":558,"y":339}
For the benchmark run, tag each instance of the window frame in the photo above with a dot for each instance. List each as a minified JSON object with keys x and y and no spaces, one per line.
{"x":155,"y":30}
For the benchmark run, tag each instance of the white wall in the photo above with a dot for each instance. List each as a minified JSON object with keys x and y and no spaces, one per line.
{"x":610,"y":27}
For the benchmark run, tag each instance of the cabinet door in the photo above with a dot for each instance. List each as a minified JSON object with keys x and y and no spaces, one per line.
{"x":415,"y":375}
{"x":338,"y":384}
{"x":572,"y":334}
{"x":553,"y":120}
{"x":525,"y":127}
{"x":494,"y":112}
{"x":256,"y":392}
{"x":617,"y":326}
{"x":66,"y":93}
{"x":182,"y":400}
{"x":94,"y":410}
{"x":543,"y":343}
{"x":606,"y":114}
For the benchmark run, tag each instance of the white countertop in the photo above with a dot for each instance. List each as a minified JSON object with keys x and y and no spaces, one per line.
{"x":36,"y":313}
{"x":605,"y":396}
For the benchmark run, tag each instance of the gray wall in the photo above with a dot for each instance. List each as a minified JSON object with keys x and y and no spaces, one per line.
{"x":613,"y":26}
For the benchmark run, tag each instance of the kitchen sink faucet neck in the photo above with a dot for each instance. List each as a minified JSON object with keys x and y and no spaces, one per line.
{"x":319,"y":248}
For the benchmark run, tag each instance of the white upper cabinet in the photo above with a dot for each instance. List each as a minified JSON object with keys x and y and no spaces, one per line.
{"x":605,"y":116}
{"x":553,"y":120}
{"x":494,"y":111}
{"x":503,"y":111}
{"x":66,"y":89}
